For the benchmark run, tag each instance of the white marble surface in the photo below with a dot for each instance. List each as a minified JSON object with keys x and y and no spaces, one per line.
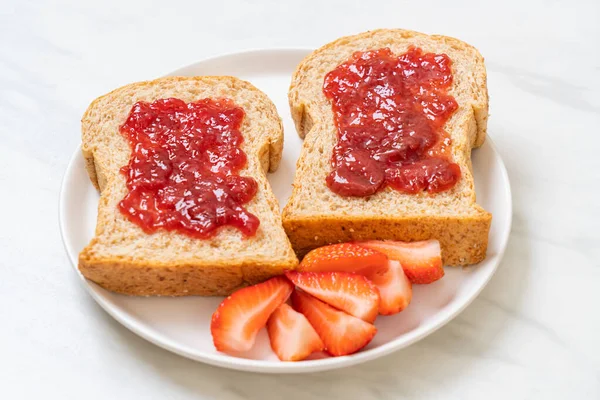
{"x":534,"y":333}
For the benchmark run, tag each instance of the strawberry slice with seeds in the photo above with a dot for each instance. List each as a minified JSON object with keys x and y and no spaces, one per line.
{"x":341,"y":333}
{"x":239,"y":317}
{"x":395,"y":290}
{"x":343,"y":257}
{"x":421,"y":261}
{"x":292,"y":337}
{"x":351,"y":293}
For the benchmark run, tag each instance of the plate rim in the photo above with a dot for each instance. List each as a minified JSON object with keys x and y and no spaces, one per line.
{"x":243,"y":364}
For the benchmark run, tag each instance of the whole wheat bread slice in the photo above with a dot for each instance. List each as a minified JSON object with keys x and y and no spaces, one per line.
{"x":315,"y":216}
{"x":123,"y":258}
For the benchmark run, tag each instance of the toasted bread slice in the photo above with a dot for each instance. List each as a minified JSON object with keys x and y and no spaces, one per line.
{"x":123,"y":258}
{"x":315,"y":216}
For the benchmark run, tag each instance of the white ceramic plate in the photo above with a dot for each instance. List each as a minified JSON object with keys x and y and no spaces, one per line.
{"x":181,"y":325}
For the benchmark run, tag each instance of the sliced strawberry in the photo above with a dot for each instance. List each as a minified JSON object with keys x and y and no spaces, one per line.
{"x":422,"y":261}
{"x":394,"y":287}
{"x":348,"y":292}
{"x":342,"y":333}
{"x":292,"y":337}
{"x":240,"y":316}
{"x":343,"y":257}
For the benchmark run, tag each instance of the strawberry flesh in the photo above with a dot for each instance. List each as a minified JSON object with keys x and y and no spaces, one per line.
{"x":395,"y":290}
{"x":341,"y":333}
{"x":421,"y":261}
{"x":343,"y":257}
{"x":351,"y":293}
{"x":292,"y":337}
{"x":239,"y":317}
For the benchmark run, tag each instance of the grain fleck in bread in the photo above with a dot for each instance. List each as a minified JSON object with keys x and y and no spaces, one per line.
{"x":122,"y":258}
{"x":315,"y":216}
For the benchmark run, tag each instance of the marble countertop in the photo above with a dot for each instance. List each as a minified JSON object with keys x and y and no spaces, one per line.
{"x":533,"y":333}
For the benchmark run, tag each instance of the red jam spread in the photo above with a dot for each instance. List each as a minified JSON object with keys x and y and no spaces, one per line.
{"x":183,"y":171}
{"x":389,"y":112}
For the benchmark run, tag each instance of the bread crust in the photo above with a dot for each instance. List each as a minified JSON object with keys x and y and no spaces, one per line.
{"x":463,"y":235}
{"x":140,"y":278}
{"x":463,"y":240}
{"x":124,"y":259}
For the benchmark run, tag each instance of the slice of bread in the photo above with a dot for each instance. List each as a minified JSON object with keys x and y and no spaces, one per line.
{"x":315,"y":216}
{"x":122,"y":258}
